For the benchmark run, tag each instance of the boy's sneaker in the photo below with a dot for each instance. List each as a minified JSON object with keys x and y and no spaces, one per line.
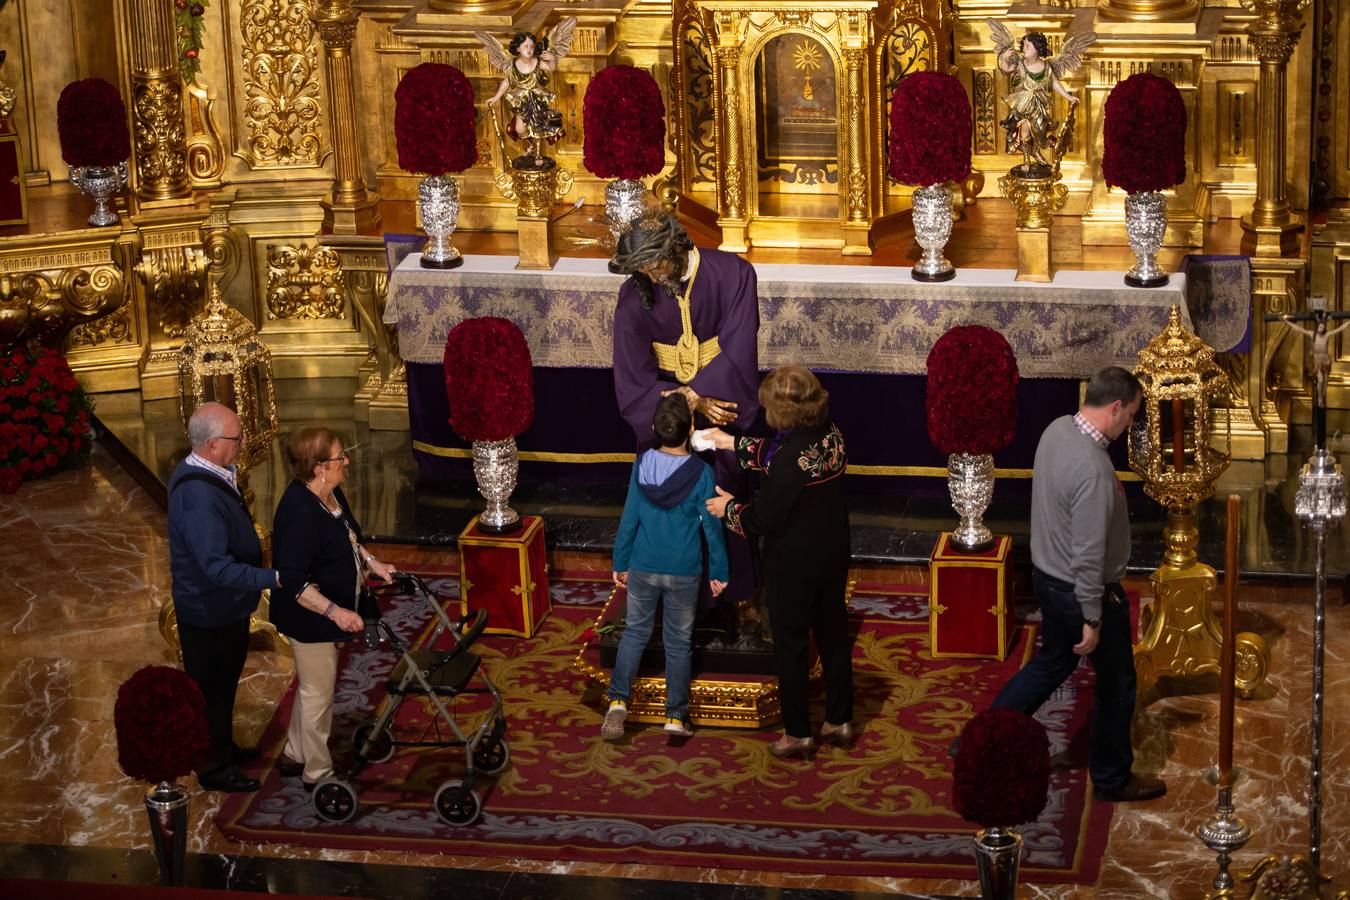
{"x":612,"y":728}
{"x":678,"y":727}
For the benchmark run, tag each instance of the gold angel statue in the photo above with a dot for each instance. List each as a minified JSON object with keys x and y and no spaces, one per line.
{"x":1030,"y":127}
{"x":527,"y":65}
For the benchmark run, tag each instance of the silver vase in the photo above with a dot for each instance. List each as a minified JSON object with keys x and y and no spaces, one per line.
{"x":494,"y":467}
{"x":932,"y":226}
{"x":1145,"y":223}
{"x":166,"y":805}
{"x":101,"y":183}
{"x":625,"y":202}
{"x":970,"y":479}
{"x":998,"y":852}
{"x":438,"y":204}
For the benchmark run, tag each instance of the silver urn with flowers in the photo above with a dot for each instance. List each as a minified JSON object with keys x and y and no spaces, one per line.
{"x":489,"y":381}
{"x":971,"y":407}
{"x":990,"y":791}
{"x":91,"y":122}
{"x":438,"y":207}
{"x":160,"y":721}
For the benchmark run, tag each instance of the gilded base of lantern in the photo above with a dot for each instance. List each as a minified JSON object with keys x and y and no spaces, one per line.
{"x":1281,"y":878}
{"x":1036,"y":197}
{"x":1033,"y":255}
{"x":712,"y":703}
{"x":1181,"y":635}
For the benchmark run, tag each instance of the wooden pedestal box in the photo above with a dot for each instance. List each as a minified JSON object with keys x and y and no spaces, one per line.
{"x":970,"y":610}
{"x":506,"y":574}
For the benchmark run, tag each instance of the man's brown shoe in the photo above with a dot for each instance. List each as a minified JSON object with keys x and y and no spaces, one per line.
{"x":1139,"y":787}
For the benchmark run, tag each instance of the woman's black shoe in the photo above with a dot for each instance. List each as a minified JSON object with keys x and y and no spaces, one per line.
{"x":232,"y":781}
{"x":289,"y":768}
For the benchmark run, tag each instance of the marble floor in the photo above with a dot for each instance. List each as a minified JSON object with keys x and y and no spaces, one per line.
{"x":86,"y":564}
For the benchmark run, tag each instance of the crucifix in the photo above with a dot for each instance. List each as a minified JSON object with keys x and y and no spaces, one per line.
{"x":1320,"y":334}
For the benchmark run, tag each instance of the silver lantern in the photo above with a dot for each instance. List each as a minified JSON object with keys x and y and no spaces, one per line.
{"x":998,"y":853}
{"x":970,"y":479}
{"x":932,"y":226}
{"x":1145,"y":223}
{"x":438,"y":204}
{"x":625,"y":202}
{"x":494,"y":467}
{"x":101,"y":183}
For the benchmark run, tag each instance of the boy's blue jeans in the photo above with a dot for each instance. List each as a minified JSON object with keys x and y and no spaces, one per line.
{"x":679,"y":596}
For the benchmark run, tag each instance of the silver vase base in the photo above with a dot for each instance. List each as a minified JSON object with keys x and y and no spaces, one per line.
{"x":975,"y":547}
{"x":1150,"y":282}
{"x":450,"y":262}
{"x":930,"y":277}
{"x":499,"y":528}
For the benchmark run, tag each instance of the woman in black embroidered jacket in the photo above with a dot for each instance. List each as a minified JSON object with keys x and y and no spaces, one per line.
{"x":801,"y":513}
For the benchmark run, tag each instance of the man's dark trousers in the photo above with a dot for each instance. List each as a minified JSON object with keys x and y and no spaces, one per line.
{"x":214,"y":658}
{"x":1113,"y":660}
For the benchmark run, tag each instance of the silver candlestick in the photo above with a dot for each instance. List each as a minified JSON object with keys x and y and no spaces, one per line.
{"x":1224,"y":832}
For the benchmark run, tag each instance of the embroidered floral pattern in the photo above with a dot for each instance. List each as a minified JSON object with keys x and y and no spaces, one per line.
{"x":825,"y":458}
{"x":733,"y":517}
{"x":750,"y":452}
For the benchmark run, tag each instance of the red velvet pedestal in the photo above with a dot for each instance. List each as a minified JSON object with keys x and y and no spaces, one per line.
{"x":970,"y":601}
{"x":506,"y":574}
{"x":13,"y":194}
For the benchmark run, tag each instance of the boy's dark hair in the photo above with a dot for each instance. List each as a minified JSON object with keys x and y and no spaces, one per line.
{"x":1111,"y":384}
{"x":672,"y":421}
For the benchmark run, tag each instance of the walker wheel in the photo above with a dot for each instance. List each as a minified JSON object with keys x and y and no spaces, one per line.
{"x":335,"y":800}
{"x":381,"y":747}
{"x":492,"y":758}
{"x":456,"y":804}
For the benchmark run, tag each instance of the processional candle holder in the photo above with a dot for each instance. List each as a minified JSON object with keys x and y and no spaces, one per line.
{"x":1181,"y":636}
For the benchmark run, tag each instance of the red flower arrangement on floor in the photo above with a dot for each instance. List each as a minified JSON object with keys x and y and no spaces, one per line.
{"x":1145,"y":135}
{"x":930,"y":130}
{"x":972,"y":391}
{"x":1002,"y":772}
{"x":434,"y":120}
{"x":44,"y":416}
{"x":91,"y":123}
{"x":160,"y":718}
{"x":489,"y":379}
{"x":624,"y":120}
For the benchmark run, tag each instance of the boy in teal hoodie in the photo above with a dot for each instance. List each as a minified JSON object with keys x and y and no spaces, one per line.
{"x":658,"y":556}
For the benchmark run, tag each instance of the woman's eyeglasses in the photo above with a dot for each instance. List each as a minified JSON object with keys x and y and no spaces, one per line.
{"x":345,"y":453}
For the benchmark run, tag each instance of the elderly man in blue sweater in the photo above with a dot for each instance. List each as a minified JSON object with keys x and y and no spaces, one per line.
{"x":215,"y":560}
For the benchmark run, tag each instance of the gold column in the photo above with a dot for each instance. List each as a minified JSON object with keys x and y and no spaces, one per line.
{"x":1270,"y":230}
{"x":351,"y":208}
{"x":1147,"y":10}
{"x":733,"y":218}
{"x":855,"y":180}
{"x":159,"y":145}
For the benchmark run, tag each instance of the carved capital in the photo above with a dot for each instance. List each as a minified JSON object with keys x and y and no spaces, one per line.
{"x":303,"y":282}
{"x":1275,"y":30}
{"x":1036,"y":199}
{"x":161,"y":144}
{"x":173,"y":285}
{"x":534,"y":191}
{"x":336,"y":34}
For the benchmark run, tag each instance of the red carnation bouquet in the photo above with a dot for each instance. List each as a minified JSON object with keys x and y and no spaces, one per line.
{"x":434,"y":120}
{"x":160,"y":717}
{"x":1002,"y":774}
{"x":1145,"y":135}
{"x":44,"y":416}
{"x":972,"y":391}
{"x":489,"y":379}
{"x":92,"y":124}
{"x":930,"y":130}
{"x":624,"y":120}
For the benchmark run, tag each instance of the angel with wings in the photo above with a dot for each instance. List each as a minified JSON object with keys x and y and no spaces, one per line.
{"x":1030,"y":127}
{"x":527,"y":67}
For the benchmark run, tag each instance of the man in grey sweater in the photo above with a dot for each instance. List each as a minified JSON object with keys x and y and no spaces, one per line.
{"x":1080,"y":544}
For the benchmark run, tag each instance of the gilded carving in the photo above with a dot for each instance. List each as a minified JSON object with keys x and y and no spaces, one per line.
{"x":46,"y":306}
{"x":733,"y":176}
{"x":161,"y":145}
{"x":173,"y":285}
{"x":855,"y":61}
{"x":114,"y":328}
{"x":303,"y":282}
{"x":282,"y":109}
{"x":205,"y":149}
{"x":985,"y":120}
{"x":534,"y":191}
{"x":220,"y":244}
{"x":701,"y":114}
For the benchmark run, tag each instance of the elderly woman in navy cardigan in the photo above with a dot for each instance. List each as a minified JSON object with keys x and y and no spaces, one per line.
{"x":316,"y":545}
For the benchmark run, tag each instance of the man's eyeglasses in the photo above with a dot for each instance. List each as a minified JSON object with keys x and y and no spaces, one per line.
{"x":345,"y":453}
{"x":226,"y":437}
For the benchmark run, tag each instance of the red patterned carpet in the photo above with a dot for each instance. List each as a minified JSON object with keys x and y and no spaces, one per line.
{"x":882,"y":808}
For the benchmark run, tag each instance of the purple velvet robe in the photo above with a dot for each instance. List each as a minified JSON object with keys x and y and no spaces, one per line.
{"x":725,"y":305}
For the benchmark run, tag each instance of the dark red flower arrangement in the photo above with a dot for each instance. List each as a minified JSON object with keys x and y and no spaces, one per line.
{"x":624,"y":120}
{"x":92,"y":124}
{"x":489,"y":379}
{"x":972,"y":391}
{"x":44,"y":416}
{"x":1145,"y":135}
{"x":160,"y":717}
{"x":434,"y":120}
{"x":930,"y":130}
{"x":1002,"y":773}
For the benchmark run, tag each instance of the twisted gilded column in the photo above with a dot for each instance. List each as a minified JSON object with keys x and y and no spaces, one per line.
{"x":159,"y":146}
{"x":351,"y":208}
{"x":1270,"y":230}
{"x":733,"y":169}
{"x":855,"y":62}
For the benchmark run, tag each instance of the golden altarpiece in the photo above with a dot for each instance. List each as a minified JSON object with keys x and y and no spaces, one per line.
{"x":271,"y":168}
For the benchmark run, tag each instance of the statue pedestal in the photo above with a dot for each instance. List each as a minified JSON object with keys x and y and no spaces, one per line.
{"x":1033,"y":254}
{"x":536,"y":246}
